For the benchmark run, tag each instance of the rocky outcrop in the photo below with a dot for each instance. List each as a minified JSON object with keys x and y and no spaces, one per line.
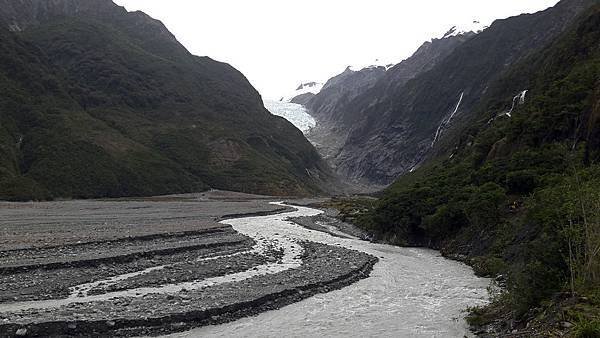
{"x":341,"y":104}
{"x":303,"y":99}
{"x":330,"y":103}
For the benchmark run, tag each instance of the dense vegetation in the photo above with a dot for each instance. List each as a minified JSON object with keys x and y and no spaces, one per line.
{"x":519,"y":197}
{"x":98,"y":102}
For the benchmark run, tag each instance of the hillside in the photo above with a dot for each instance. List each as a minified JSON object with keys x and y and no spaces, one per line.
{"x":516,"y":195}
{"x":340,"y":106}
{"x":400,"y":124}
{"x":100,"y":102}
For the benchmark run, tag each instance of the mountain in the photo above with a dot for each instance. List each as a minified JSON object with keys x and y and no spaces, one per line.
{"x":302,"y":99}
{"x":328,"y":107}
{"x":402,"y":119}
{"x":101,"y":102}
{"x":339,"y":106}
{"x":304,"y":92}
{"x":512,"y":190}
{"x":471,"y":27}
{"x":338,"y":91}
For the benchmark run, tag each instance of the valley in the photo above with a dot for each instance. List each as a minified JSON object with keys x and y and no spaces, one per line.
{"x":147,"y":191}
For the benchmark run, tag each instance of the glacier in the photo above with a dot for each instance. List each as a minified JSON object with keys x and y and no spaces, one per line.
{"x":295,"y":113}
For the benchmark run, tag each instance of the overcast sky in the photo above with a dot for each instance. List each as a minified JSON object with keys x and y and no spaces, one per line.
{"x":278,"y":44}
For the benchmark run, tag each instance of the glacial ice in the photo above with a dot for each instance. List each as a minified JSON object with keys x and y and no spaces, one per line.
{"x":295,"y":113}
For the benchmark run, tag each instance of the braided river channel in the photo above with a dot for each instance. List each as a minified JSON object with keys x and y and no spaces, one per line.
{"x":410,"y":293}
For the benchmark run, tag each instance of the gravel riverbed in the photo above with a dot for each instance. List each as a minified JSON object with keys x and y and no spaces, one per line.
{"x":168,"y":264}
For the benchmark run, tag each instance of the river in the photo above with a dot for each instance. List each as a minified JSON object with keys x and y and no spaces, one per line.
{"x":410,"y":293}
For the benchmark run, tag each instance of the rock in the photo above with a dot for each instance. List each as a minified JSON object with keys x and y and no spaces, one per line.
{"x":110,"y":323}
{"x":566,"y":325}
{"x":21,"y":332}
{"x":382,"y":131}
{"x":179,"y":325}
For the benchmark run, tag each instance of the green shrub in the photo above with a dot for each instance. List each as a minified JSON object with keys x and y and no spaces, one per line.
{"x":484,"y":206}
{"x":488,"y":266}
{"x":521,"y":182}
{"x":22,"y":189}
{"x":586,"y":328}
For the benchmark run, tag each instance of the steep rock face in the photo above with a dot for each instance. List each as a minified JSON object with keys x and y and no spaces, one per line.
{"x":402,"y":123}
{"x":329,"y":104}
{"x":424,"y":59}
{"x":98,"y":101}
{"x":340,"y":105}
{"x":303,"y":99}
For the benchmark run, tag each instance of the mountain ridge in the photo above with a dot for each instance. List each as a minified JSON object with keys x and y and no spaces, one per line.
{"x":338,"y":107}
{"x":399,"y":123}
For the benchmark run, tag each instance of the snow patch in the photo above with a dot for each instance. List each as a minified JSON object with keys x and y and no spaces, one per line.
{"x":371,"y":65}
{"x":473,"y":27}
{"x":309,"y":87}
{"x":304,"y":88}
